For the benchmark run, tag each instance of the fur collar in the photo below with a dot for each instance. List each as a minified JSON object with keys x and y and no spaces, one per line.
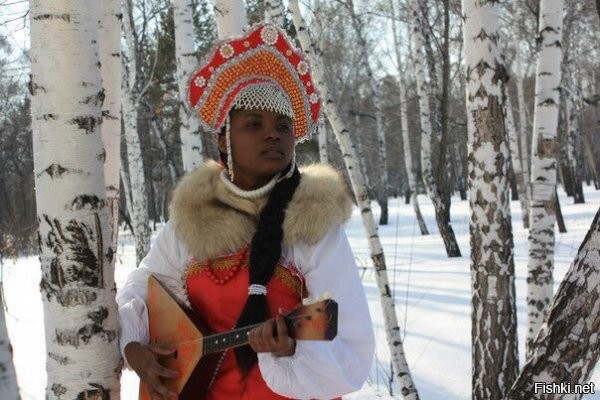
{"x":212,"y":221}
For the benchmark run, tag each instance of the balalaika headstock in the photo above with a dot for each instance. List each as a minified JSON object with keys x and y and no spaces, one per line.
{"x":316,"y":321}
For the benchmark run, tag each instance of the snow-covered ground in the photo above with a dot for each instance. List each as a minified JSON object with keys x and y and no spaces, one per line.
{"x":432,"y":299}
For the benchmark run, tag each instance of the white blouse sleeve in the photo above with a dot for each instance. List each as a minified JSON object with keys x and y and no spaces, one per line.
{"x":165,"y":260}
{"x":325,"y":370}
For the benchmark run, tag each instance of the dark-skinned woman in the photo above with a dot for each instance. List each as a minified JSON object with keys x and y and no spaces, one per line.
{"x":254,"y":235}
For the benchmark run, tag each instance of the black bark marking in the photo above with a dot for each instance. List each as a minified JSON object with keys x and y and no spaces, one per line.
{"x":85,"y":267}
{"x":91,"y":202}
{"x":74,"y":338}
{"x":98,"y":393}
{"x":86,"y":123}
{"x":78,"y":257}
{"x":481,"y":92}
{"x":48,"y":117}
{"x":58,"y":389}
{"x":481,"y":67}
{"x":55,"y":170}
{"x":43,"y":17}
{"x":59,"y":359}
{"x":548,"y":148}
{"x":99,"y":250}
{"x":107,"y":115}
{"x":500,"y":74}
{"x":96,"y":99}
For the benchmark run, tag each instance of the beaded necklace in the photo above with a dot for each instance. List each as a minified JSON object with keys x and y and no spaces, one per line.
{"x":239,"y":259}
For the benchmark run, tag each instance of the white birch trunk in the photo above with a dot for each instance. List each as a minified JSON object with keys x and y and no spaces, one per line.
{"x":322,"y":138}
{"x":185,"y":55}
{"x":322,"y":132}
{"x":543,"y":164}
{"x":110,"y":60}
{"x":424,"y":93}
{"x":130,"y":102}
{"x":493,"y":307}
{"x":78,"y":288}
{"x":126,"y":185}
{"x":230,"y":16}
{"x":408,"y":161}
{"x":524,"y":149}
{"x":9,"y":389}
{"x":392,"y":328}
{"x":275,"y":12}
{"x":515,"y":156}
{"x":382,"y":196}
{"x":568,"y":345}
{"x":360,"y":155}
{"x":573,"y":144}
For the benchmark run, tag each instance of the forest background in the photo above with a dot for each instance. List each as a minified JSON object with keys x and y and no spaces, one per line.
{"x":361,"y":46}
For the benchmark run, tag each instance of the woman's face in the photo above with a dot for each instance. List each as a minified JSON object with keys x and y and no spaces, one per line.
{"x":262,"y":144}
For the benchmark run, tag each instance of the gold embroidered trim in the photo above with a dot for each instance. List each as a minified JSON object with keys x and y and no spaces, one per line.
{"x":290,"y":281}
{"x":283,"y":274}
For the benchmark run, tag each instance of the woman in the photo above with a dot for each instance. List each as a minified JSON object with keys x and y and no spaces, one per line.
{"x":252,"y":238}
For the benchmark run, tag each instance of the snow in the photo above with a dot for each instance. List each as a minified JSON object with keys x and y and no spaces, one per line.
{"x":432,"y":299}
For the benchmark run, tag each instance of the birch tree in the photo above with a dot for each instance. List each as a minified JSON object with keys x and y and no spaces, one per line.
{"x":230,"y":16}
{"x":78,"y":288}
{"x":515,"y":156}
{"x":322,"y":130}
{"x":573,"y":145}
{"x":9,"y":389}
{"x":493,"y":309}
{"x":525,"y":209}
{"x":423,"y":92}
{"x":382,"y":196}
{"x":189,"y":125}
{"x":543,"y":160}
{"x":408,"y":160}
{"x":392,"y":328}
{"x":274,"y":12}
{"x":110,"y":60}
{"x":132,"y":93}
{"x":567,"y":347}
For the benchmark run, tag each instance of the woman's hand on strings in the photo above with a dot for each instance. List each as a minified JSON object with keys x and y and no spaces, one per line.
{"x":143,"y":359}
{"x":272,"y":337}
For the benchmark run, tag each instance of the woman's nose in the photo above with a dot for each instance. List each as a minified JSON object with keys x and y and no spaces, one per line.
{"x":272,"y":132}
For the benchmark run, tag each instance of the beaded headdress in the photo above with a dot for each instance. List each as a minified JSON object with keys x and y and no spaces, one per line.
{"x":261,"y":70}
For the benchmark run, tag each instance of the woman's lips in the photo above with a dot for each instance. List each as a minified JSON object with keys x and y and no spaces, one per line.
{"x":273,"y":152}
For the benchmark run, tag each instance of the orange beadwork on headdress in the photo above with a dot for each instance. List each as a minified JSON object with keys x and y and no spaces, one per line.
{"x":264,"y":55}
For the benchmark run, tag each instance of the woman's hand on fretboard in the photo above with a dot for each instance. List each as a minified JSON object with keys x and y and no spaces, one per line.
{"x":272,"y":337}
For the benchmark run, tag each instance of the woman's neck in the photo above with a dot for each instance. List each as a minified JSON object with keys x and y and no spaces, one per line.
{"x":248,"y":194}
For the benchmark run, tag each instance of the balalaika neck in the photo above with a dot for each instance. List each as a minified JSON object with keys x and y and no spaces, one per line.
{"x":227,"y":340}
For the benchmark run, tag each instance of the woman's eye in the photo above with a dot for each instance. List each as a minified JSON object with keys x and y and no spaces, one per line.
{"x":285,"y":128}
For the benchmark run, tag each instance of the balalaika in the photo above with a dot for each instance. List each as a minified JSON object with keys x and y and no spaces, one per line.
{"x":198,"y":350}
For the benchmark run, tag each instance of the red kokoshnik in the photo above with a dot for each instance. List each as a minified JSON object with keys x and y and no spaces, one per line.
{"x":264,"y":55}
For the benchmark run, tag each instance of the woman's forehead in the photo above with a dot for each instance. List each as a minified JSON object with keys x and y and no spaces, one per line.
{"x":259,"y":113}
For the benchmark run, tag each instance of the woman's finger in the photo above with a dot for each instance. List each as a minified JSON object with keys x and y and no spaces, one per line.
{"x":166,"y":372}
{"x":161,"y":350}
{"x":286,"y":345}
{"x":268,"y":337}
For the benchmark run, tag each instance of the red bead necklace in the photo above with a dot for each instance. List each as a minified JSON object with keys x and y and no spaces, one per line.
{"x":239,"y":259}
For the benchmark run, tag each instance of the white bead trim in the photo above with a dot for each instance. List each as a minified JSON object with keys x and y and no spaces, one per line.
{"x":257,"y":289}
{"x":248,"y":194}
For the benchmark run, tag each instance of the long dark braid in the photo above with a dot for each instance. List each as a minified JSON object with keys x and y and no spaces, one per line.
{"x":265,"y":251}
